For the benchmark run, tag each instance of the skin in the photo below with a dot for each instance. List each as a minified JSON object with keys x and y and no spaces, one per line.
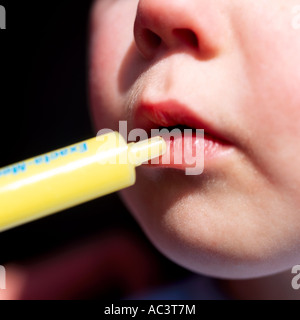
{"x":241,"y":218}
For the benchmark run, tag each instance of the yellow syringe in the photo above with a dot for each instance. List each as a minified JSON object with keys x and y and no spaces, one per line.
{"x":67,"y":177}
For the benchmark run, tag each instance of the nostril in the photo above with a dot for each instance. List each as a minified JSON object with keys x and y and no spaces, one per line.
{"x":151,"y":38}
{"x":187,"y":36}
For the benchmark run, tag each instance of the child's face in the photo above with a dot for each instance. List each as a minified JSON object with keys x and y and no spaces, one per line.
{"x":236,"y":65}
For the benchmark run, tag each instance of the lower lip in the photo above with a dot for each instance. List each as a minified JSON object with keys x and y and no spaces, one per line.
{"x":188,"y":150}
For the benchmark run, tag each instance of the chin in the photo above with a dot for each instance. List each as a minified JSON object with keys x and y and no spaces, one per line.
{"x":214,"y":260}
{"x":196,"y":236}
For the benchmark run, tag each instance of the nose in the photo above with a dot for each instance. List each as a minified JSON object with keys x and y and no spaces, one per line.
{"x":193,"y":25}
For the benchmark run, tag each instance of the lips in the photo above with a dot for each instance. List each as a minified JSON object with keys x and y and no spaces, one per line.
{"x":187,"y":147}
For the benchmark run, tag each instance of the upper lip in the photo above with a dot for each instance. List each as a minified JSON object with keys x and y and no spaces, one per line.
{"x":170,"y":113}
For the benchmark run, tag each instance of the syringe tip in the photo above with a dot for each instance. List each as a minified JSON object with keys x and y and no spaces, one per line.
{"x":146,"y":150}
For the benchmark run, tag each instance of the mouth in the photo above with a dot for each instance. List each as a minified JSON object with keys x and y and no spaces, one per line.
{"x":191,"y":141}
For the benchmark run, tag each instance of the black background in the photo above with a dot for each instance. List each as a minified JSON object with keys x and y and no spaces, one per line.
{"x":43,"y":99}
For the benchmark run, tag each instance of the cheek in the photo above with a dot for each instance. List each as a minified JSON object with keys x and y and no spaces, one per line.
{"x":271,"y":112}
{"x":102,"y":75}
{"x":109,"y":43}
{"x":270,"y":47}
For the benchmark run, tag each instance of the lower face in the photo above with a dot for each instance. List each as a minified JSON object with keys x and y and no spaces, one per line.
{"x":240,"y":218}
